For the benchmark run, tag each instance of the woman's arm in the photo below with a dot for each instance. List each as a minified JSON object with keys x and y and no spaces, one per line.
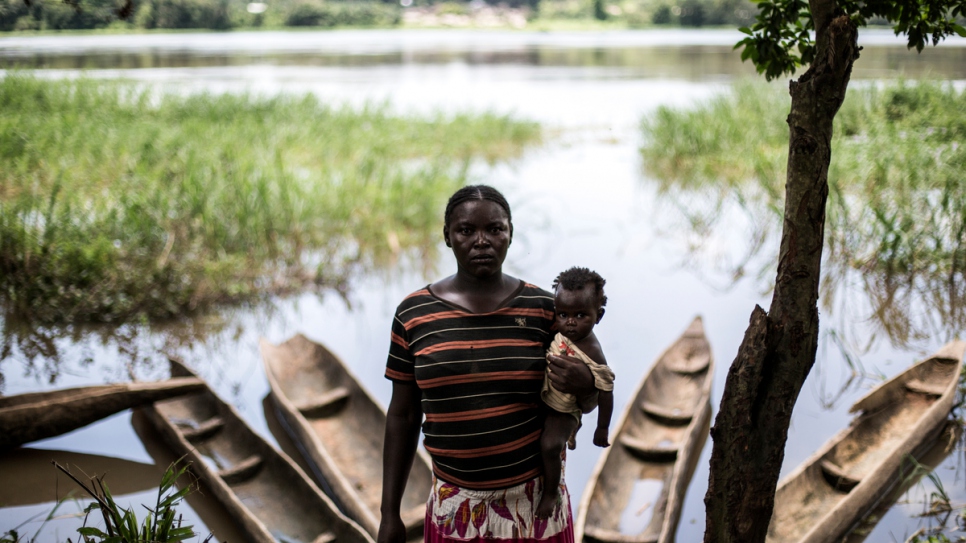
{"x":571,"y":376}
{"x":403,"y":420}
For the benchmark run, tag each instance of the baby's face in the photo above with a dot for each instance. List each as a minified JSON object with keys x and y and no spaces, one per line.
{"x":576,"y":311}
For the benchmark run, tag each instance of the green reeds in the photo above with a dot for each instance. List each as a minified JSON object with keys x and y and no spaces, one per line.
{"x":162,"y":524}
{"x":118,"y":202}
{"x":896,"y":213}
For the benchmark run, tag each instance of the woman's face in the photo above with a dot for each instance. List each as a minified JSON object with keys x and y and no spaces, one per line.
{"x":479,"y":233}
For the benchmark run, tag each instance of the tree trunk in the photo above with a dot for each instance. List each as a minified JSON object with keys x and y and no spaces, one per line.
{"x":779,"y":347}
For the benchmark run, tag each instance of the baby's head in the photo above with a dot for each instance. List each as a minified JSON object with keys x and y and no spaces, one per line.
{"x":578,"y":301}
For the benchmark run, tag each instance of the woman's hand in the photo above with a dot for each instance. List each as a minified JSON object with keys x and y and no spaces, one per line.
{"x":391,"y":530}
{"x":403,"y":419}
{"x":571,"y":376}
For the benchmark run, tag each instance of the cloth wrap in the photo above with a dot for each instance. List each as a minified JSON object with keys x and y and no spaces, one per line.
{"x":462,"y":515}
{"x":567,"y":403}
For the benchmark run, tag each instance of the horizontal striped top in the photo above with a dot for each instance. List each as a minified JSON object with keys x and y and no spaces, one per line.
{"x":479,"y":375}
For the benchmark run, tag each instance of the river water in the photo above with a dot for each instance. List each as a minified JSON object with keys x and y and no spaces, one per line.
{"x":580,"y":199}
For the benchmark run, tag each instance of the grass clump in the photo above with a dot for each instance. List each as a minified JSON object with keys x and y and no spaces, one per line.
{"x":896,"y":214}
{"x":117,"y":202}
{"x":161,"y":524}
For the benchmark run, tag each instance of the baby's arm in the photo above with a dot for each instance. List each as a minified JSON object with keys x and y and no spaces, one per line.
{"x":605,"y":408}
{"x":605,"y":399}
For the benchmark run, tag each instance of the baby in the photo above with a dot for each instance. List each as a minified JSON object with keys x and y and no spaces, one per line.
{"x":578,"y":305}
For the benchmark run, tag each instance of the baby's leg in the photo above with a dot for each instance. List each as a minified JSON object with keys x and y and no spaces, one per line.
{"x":557,"y":429}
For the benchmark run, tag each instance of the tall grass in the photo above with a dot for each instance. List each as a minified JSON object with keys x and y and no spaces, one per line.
{"x":896,"y":214}
{"x":117,"y":201}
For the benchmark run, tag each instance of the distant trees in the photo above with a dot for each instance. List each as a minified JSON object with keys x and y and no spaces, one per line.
{"x":182,"y":14}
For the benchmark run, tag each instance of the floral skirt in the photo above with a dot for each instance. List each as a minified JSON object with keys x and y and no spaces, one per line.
{"x":457,"y":514}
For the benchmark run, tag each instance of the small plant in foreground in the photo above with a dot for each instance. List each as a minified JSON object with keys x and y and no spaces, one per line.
{"x":161,"y":525}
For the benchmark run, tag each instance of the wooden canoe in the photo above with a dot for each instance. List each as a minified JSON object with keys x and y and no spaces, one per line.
{"x":827,"y":494}
{"x":910,"y":475}
{"x":270,"y":498}
{"x":340,"y":428}
{"x":636,"y":491}
{"x":39,"y":415}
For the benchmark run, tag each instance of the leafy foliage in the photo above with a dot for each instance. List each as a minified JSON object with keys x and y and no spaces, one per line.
{"x":781,"y":39}
{"x":162,"y":524}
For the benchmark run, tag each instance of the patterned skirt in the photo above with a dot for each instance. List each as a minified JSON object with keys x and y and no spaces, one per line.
{"x":457,"y":515}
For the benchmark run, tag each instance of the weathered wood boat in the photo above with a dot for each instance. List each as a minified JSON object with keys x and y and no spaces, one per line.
{"x":827,"y":494}
{"x":39,"y":415}
{"x":636,"y":491}
{"x":341,"y":431}
{"x":270,"y":497}
{"x":910,"y":475}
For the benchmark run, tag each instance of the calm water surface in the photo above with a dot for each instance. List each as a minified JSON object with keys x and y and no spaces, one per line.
{"x":579,"y":200}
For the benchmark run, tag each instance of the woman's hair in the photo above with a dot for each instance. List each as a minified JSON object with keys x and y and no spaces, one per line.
{"x":476,"y":192}
{"x":575,"y":278}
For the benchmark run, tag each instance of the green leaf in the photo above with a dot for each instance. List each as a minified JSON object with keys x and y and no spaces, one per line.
{"x":91,"y":532}
{"x":745,"y":30}
{"x":959,"y":30}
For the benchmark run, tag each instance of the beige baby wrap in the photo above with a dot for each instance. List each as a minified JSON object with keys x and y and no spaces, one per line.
{"x":567,"y":403}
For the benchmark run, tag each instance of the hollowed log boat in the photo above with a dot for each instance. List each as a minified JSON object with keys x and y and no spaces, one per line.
{"x":270,"y":497}
{"x":636,"y":491}
{"x":39,"y":415}
{"x":827,"y":494}
{"x":341,"y":430}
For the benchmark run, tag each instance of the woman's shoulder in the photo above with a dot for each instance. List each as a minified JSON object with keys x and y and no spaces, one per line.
{"x":532,"y":294}
{"x":416,"y":298}
{"x":530,"y":289}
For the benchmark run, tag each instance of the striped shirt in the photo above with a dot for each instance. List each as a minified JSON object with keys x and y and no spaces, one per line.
{"x":480,"y":376}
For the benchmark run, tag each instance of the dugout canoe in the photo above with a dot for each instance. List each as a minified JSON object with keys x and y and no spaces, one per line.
{"x":340,"y":429}
{"x":637,"y":488}
{"x":827,"y":494}
{"x":39,"y":415}
{"x":269,"y":497}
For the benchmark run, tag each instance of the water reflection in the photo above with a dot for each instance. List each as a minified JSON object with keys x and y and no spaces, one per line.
{"x":691,"y":55}
{"x":894,"y":266}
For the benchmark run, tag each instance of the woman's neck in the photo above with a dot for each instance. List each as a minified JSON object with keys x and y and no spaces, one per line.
{"x":476,"y":294}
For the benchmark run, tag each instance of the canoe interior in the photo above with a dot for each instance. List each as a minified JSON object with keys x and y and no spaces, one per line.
{"x":348,"y":423}
{"x":935,"y":453}
{"x":659,"y":431}
{"x":269,"y":487}
{"x":856,"y":454}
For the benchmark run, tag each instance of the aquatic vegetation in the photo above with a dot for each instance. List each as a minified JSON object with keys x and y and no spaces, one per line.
{"x":161,"y":524}
{"x":118,"y":202}
{"x":896,"y":214}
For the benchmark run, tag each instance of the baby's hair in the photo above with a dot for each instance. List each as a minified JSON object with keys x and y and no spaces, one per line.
{"x":575,"y":278}
{"x":476,"y":192}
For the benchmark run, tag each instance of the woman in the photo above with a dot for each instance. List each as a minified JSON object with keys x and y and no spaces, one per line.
{"x":469,"y":352}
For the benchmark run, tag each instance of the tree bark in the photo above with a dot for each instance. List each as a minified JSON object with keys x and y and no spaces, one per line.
{"x":779,"y":346}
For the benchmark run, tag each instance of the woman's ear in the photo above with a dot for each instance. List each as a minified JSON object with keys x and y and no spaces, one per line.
{"x":600,"y":315}
{"x":446,"y":236}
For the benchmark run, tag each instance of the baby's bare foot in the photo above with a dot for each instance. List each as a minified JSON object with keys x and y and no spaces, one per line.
{"x":546,"y":506}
